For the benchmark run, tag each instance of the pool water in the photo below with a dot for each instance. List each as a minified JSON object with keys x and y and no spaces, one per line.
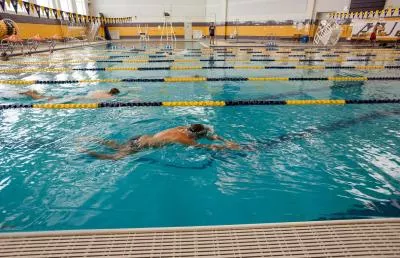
{"x":299,"y":163}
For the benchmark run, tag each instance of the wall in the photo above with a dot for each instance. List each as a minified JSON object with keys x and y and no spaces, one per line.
{"x":151,"y":10}
{"x":262,"y":10}
{"x":331,"y":6}
{"x":392,"y":3}
{"x":30,"y":26}
{"x":257,"y":18}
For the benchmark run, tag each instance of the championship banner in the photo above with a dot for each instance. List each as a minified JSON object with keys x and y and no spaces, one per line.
{"x":55,"y":13}
{"x":2,"y":4}
{"x":32,"y":6}
{"x":27,"y":7}
{"x":14,"y":4}
{"x":47,"y":12}
{"x":387,"y":29}
{"x":37,"y":8}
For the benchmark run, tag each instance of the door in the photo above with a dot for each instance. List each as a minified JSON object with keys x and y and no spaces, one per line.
{"x":188,"y":30}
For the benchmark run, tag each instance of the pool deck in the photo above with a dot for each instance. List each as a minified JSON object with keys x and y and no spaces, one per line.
{"x":340,"y":238}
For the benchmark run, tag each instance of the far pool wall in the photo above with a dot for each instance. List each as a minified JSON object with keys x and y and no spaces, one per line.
{"x":30,"y":26}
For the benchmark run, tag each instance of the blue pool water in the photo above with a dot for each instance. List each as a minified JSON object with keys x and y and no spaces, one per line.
{"x":305,"y":162}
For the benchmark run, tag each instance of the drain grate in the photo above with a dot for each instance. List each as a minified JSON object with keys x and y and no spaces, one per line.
{"x":346,"y":238}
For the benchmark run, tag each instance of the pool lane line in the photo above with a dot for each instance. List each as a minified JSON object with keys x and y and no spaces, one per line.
{"x":198,"y":79}
{"x":195,"y":61}
{"x":259,"y":54}
{"x":236,"y":67}
{"x":331,"y":127}
{"x":210,"y":103}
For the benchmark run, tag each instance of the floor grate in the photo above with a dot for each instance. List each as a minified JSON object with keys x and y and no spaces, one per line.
{"x":344,"y":238}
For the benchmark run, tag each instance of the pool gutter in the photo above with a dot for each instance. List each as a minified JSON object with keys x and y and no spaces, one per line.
{"x":366,"y":238}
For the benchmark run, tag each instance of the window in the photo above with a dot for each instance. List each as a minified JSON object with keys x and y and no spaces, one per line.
{"x":10,"y":8}
{"x":46,"y":3}
{"x":66,"y":5}
{"x":81,"y":7}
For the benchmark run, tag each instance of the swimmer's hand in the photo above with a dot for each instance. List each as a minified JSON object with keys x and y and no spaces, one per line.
{"x":232,"y":145}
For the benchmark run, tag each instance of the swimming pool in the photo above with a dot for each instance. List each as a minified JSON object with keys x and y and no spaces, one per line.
{"x":305,"y":163}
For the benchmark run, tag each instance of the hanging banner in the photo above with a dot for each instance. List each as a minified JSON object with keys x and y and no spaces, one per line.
{"x":384,"y":30}
{"x":27,"y":7}
{"x":55,"y":13}
{"x":14,"y":3}
{"x":2,"y":4}
{"x":47,"y":11}
{"x":37,"y":8}
{"x":32,"y":6}
{"x":42,"y":9}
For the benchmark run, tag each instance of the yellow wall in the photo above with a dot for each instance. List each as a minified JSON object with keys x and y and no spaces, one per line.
{"x":260,"y":31}
{"x":28,"y":30}
{"x":152,"y":31}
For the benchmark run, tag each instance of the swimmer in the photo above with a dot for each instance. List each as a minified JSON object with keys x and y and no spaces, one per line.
{"x":100,"y":94}
{"x":4,"y":57}
{"x":185,"y":135}
{"x":36,"y":95}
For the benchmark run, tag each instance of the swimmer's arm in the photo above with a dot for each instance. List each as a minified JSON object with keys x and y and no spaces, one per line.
{"x":110,"y":144}
{"x":229,"y":144}
{"x":215,"y":138}
{"x":198,"y":145}
{"x":31,"y":94}
{"x":116,"y":156}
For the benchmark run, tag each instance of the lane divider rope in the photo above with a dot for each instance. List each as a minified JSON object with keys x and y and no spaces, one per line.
{"x":199,"y":79}
{"x":211,"y":103}
{"x":338,"y":60}
{"x":236,"y":67}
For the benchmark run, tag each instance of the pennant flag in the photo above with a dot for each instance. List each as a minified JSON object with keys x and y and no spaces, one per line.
{"x":20,"y":3}
{"x":61,"y":14}
{"x":386,"y":12}
{"x":392,"y":12}
{"x":15,"y":5}
{"x":37,"y":8}
{"x":55,"y":13}
{"x":27,"y":7}
{"x":47,"y":11}
{"x":2,"y":4}
{"x":8,"y":2}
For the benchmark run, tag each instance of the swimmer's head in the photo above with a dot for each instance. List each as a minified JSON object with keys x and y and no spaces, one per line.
{"x":200,"y":130}
{"x":4,"y":56}
{"x":114,"y":91}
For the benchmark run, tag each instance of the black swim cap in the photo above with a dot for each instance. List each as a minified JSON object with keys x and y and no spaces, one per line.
{"x":114,"y":91}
